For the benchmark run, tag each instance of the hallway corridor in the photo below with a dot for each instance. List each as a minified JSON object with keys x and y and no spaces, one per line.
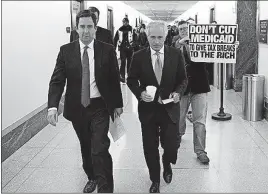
{"x":51,"y":162}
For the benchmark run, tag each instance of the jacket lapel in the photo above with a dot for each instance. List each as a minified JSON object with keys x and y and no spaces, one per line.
{"x":77,"y":56}
{"x":97,"y":58}
{"x":168,"y":68}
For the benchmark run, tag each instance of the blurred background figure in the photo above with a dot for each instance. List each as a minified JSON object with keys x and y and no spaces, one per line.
{"x":142,"y":38}
{"x":124,"y":38}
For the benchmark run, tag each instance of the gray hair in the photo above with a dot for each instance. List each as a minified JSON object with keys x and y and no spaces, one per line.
{"x":157,"y":23}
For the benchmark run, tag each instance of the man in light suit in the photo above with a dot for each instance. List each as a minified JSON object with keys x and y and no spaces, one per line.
{"x":163,"y":67}
{"x":102,"y":34}
{"x":93,"y":94}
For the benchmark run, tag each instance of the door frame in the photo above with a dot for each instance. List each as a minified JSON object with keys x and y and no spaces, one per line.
{"x":112,"y":16}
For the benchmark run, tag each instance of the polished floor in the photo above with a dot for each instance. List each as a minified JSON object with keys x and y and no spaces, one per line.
{"x":51,"y":161}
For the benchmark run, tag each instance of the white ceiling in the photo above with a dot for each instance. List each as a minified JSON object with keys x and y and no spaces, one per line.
{"x":161,"y":10}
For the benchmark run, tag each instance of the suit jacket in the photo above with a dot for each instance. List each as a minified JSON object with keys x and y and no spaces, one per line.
{"x":102,"y":34}
{"x":69,"y":67}
{"x":141,"y":74}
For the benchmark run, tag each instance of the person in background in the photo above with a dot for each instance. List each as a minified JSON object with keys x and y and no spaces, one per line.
{"x":124,"y":38}
{"x":136,"y":33}
{"x":168,"y":38}
{"x":162,"y":67}
{"x":178,"y":42}
{"x":93,"y":95}
{"x":196,"y":95}
{"x":102,"y":34}
{"x":142,"y":38}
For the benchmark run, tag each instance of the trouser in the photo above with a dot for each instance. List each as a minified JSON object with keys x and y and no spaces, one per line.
{"x":150,"y":136}
{"x":199,"y":114}
{"x":92,"y":132}
{"x":125,"y":56}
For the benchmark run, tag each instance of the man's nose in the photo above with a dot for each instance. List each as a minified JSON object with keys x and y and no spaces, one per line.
{"x":86,"y":30}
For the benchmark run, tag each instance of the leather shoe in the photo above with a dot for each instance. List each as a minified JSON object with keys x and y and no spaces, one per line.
{"x":167,"y":174}
{"x":154,"y":187}
{"x":90,"y":186}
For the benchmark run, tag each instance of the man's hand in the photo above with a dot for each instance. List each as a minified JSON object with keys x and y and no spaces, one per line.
{"x":52,"y":117}
{"x":175,"y":96}
{"x":183,"y":40}
{"x":146,"y":97}
{"x":118,"y":112}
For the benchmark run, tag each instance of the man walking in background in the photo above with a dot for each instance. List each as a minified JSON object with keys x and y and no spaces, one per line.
{"x":125,"y":38}
{"x":196,"y":95}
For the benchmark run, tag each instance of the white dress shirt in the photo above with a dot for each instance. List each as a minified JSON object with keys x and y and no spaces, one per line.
{"x":154,"y":56}
{"x":94,"y":92}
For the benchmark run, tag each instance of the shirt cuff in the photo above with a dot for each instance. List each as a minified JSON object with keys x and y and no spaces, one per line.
{"x":53,"y":108}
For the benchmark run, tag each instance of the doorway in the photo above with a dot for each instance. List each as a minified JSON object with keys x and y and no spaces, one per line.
{"x":110,"y":20}
{"x":75,"y":7}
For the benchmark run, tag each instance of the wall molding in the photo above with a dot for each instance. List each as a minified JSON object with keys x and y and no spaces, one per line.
{"x":17,"y":134}
{"x":266,"y":108}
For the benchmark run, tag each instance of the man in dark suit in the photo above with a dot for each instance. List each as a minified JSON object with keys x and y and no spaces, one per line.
{"x":163,"y":67}
{"x":102,"y":34}
{"x":93,"y":94}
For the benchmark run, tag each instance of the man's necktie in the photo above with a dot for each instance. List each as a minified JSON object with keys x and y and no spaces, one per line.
{"x":85,"y":93}
{"x":158,"y":68}
{"x":158,"y":71}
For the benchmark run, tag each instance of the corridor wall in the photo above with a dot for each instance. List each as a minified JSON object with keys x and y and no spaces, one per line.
{"x":32,"y":33}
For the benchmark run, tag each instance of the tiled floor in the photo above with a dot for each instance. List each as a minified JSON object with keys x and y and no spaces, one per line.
{"x":51,"y":161}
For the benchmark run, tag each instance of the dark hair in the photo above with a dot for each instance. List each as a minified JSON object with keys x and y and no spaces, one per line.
{"x":94,"y":9}
{"x":182,"y":22}
{"x":125,"y":20}
{"x":142,"y":26}
{"x":84,"y":14}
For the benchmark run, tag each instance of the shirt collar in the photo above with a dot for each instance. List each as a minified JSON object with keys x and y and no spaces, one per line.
{"x":161,"y":51}
{"x":82,"y":45}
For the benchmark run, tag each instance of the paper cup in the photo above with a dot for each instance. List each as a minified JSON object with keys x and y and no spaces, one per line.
{"x":151,"y":90}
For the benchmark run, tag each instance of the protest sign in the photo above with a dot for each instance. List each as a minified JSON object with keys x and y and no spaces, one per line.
{"x":213,"y":43}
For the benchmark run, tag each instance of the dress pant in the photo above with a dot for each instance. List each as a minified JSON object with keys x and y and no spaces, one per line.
{"x":125,"y":56}
{"x":92,"y":132}
{"x":158,"y":124}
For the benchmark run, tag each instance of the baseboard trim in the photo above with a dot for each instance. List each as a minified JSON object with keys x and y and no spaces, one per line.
{"x":17,"y":134}
{"x":266,"y":109}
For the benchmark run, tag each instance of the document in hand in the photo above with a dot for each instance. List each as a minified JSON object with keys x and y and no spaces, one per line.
{"x":117,"y":128}
{"x":168,"y":101}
